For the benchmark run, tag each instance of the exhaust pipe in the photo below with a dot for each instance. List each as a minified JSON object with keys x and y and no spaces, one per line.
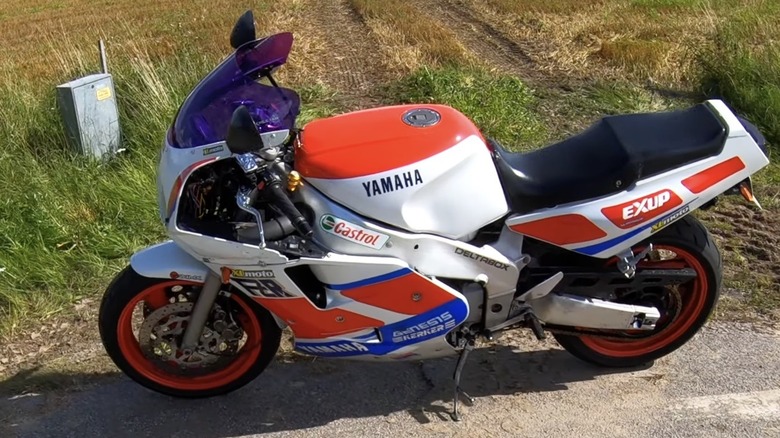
{"x":577,"y":311}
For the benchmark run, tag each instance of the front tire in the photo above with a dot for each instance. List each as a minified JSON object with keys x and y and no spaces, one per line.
{"x":693,"y":247}
{"x":132,"y":298}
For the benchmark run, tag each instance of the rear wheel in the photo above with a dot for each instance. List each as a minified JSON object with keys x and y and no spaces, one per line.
{"x":142,"y":321}
{"x":684,"y":308}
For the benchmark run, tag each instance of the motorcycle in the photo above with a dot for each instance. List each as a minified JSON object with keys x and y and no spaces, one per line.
{"x":403,"y":233}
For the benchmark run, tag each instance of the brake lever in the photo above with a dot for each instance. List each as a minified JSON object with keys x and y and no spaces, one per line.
{"x":245,"y":200}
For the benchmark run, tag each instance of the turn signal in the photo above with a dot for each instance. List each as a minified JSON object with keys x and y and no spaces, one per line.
{"x":746,"y":189}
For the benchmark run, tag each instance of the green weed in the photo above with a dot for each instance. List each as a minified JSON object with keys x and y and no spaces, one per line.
{"x":502,"y":106}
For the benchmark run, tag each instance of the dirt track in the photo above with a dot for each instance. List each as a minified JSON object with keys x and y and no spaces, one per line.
{"x":484,"y":39}
{"x":354,"y":66}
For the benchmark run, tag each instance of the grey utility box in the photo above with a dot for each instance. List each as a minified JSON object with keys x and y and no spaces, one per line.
{"x":89,"y":111}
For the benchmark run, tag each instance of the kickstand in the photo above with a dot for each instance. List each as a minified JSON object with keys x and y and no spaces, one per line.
{"x":458,"y":391}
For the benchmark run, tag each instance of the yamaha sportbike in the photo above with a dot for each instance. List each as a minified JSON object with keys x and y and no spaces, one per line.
{"x":403,"y":233}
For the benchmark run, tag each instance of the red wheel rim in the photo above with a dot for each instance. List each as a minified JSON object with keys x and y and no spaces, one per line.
{"x":155,"y":296}
{"x":693,"y":295}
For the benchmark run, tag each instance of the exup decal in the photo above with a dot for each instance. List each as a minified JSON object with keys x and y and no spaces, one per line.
{"x":641,"y":210}
{"x":240,"y":273}
{"x":440,"y":323}
{"x":352,"y":232}
{"x":392,"y":183}
{"x":483,"y":259}
{"x":671,"y":218}
{"x":213,"y":150}
{"x":266,"y":288}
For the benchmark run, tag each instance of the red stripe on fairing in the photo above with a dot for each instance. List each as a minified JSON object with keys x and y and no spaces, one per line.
{"x":715,"y":174}
{"x":377,"y":140}
{"x":561,"y":230}
{"x":310,"y":322}
{"x":411,"y":295}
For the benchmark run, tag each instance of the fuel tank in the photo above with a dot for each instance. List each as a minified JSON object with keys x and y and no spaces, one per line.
{"x":421,"y":168}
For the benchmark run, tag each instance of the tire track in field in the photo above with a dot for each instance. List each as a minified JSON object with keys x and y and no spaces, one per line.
{"x":354,"y":64}
{"x":482,"y":38}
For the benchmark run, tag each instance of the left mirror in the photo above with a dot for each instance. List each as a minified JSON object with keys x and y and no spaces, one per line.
{"x":243,"y":31}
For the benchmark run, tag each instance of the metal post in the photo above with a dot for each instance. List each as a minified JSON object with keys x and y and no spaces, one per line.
{"x":103,"y":59}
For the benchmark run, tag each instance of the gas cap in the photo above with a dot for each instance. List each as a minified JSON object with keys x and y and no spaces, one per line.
{"x":421,"y":117}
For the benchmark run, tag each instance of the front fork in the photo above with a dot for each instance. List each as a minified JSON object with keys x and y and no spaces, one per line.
{"x":200,"y":312}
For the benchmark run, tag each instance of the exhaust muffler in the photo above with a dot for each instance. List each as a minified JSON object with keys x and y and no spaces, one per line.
{"x":577,"y":311}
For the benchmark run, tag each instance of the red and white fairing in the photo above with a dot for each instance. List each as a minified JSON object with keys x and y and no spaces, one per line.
{"x":425,"y":169}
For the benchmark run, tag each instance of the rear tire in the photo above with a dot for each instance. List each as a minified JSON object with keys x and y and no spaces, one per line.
{"x":694,"y":245}
{"x":130,"y":290}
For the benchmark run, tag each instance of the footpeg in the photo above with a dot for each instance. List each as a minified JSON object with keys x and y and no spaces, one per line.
{"x":628,"y":261}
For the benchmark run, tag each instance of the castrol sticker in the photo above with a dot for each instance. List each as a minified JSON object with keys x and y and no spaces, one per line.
{"x":639,"y":211}
{"x":352,"y":232}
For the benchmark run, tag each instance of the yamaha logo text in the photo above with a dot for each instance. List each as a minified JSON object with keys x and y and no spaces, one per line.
{"x":392,"y":183}
{"x":346,"y":347}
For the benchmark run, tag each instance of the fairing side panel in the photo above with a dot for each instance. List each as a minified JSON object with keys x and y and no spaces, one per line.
{"x":377,"y":307}
{"x":605,"y":226}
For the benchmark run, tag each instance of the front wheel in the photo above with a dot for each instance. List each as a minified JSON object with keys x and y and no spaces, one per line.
{"x":684,"y":308}
{"x":142,"y":321}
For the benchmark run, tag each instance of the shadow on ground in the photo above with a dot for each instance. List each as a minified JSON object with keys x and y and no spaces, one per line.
{"x":293,"y":396}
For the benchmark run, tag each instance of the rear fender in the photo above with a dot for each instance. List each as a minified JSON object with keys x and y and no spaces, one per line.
{"x":168,"y":260}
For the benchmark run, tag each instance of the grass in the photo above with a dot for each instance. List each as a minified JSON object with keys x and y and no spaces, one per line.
{"x":68,"y":224}
{"x":502,"y":106}
{"x":742,"y":64}
{"x":545,"y":6}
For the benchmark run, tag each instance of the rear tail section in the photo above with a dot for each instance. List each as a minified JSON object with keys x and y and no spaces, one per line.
{"x":605,"y":226}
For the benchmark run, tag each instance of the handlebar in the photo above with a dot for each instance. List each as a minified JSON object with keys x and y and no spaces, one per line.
{"x":277,"y":195}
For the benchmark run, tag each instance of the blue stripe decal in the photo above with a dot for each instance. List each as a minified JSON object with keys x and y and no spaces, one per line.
{"x":366,"y":337}
{"x":603,"y":246}
{"x":369,"y":281}
{"x":415,"y":330}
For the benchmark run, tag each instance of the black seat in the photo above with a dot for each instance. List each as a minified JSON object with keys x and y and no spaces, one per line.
{"x":608,"y":157}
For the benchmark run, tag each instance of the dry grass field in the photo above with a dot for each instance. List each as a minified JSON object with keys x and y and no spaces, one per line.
{"x":527,"y":71}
